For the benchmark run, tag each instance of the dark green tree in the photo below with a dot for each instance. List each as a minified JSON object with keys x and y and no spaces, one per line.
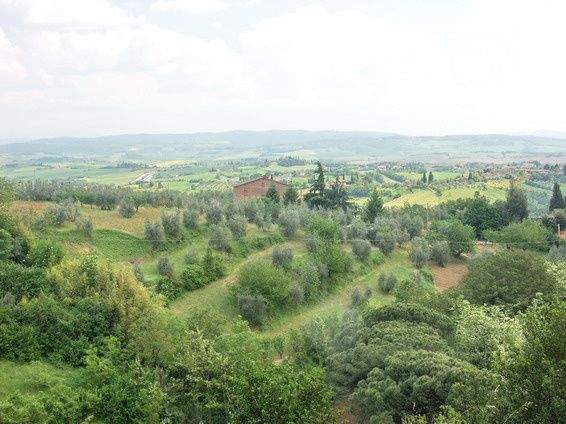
{"x":336,"y":197}
{"x":470,"y":176}
{"x":291,"y":196}
{"x":374,"y":206}
{"x":516,"y":203}
{"x":557,"y":200}
{"x":430,"y":177}
{"x":315,"y":196}
{"x":272,"y":196}
{"x":424,"y":179}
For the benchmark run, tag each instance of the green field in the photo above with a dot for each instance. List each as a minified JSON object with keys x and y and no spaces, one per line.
{"x":428,"y":197}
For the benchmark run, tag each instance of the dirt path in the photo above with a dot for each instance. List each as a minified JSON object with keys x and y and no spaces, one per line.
{"x":449,"y":276}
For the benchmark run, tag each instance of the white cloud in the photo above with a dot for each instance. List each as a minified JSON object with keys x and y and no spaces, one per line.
{"x":11,"y":67}
{"x":81,"y":14}
{"x":190,"y":6}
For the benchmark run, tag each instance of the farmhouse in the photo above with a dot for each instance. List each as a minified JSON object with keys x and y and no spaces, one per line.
{"x":257,"y":188}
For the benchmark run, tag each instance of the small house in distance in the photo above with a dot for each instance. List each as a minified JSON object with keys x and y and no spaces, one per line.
{"x":257,"y":188}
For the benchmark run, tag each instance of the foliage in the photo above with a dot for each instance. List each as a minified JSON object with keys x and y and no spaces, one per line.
{"x":238,"y":226}
{"x":528,"y":234}
{"x":482,"y":215}
{"x":420,"y":252}
{"x":557,"y":200}
{"x":282,"y":256}
{"x":171,"y":222}
{"x":373,"y":207}
{"x":20,"y":281}
{"x":213,"y":266}
{"x":440,"y":253}
{"x":510,"y":278}
{"x":127,"y":207}
{"x":516,"y":203}
{"x":291,"y":196}
{"x":154,"y":234}
{"x":316,"y":195}
{"x":165,"y":266}
{"x":387,"y":283}
{"x":85,"y":225}
{"x":252,"y":308}
{"x":361,"y":249}
{"x":194,"y":277}
{"x":45,"y":254}
{"x":535,"y":370}
{"x":190,"y":218}
{"x":219,"y":238}
{"x":460,"y":238}
{"x":289,"y":222}
{"x":261,"y":278}
{"x":272,"y":195}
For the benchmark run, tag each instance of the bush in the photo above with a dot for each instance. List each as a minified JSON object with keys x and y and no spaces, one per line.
{"x":509,"y":278}
{"x":219,"y":238}
{"x":311,"y":243}
{"x":238,"y":226}
{"x":138,"y":273}
{"x":358,"y":298}
{"x":193,"y":277}
{"x":45,"y":254}
{"x":261,"y":278}
{"x":154,"y":234}
{"x":282,"y":256}
{"x":557,"y":253}
{"x":440,"y":253}
{"x":296,"y":297}
{"x":165,"y":266}
{"x":192,"y":257}
{"x":528,"y":234}
{"x":386,"y":241}
{"x":461,"y":238}
{"x":377,"y":258}
{"x":169,"y":287}
{"x":289,"y":222}
{"x":361,"y":249}
{"x":20,"y":281}
{"x":84,"y":225}
{"x":387,"y":283}
{"x":252,"y":308}
{"x":213,"y":266}
{"x":357,"y":231}
{"x":127,"y":207}
{"x":171,"y":222}
{"x":420,"y":252}
{"x":190,"y":219}
{"x":214,"y":213}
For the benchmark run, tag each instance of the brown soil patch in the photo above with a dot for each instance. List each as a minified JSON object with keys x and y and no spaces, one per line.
{"x":449,"y":276}
{"x":342,"y":408}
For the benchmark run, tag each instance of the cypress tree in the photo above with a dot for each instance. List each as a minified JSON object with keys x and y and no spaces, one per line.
{"x":430,"y":177}
{"x":424,"y":177}
{"x":557,"y":200}
{"x":272,"y":195}
{"x":374,"y":206}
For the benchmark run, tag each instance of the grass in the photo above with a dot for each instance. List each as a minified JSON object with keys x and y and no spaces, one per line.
{"x":34,"y":377}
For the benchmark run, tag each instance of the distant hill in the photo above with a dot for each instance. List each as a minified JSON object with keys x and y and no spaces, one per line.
{"x":326,"y":145}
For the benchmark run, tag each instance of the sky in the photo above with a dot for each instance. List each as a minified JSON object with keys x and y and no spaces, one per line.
{"x":434,"y":67}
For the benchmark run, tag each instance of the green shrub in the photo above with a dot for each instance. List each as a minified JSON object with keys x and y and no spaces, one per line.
{"x":440,"y":253}
{"x":213,"y":266}
{"x":289,"y":222}
{"x":155,"y":234}
{"x":171,"y":222}
{"x":22,"y":281}
{"x":127,"y":207}
{"x":84,"y":225}
{"x":387,"y":283}
{"x":190,"y":219}
{"x":377,"y":258}
{"x":219,"y":238}
{"x":165,"y":266}
{"x":252,"y":308}
{"x":192,"y":257}
{"x":238,"y":226}
{"x":193,"y":277}
{"x":169,"y":287}
{"x":420,"y":252}
{"x":282,"y":256}
{"x":45,"y":254}
{"x":361,"y":249}
{"x":261,"y":278}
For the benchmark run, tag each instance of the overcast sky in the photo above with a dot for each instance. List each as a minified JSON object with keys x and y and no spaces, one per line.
{"x":96,"y":67}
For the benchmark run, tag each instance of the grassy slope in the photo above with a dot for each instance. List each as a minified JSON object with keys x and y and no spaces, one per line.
{"x":218,"y":298}
{"x":33,"y":377}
